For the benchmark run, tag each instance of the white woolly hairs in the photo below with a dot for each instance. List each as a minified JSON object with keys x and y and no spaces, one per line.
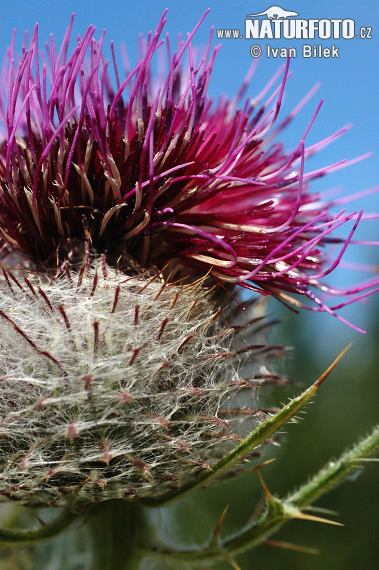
{"x":114,"y":386}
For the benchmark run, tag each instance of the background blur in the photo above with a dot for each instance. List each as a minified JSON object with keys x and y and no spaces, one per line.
{"x":348,"y":404}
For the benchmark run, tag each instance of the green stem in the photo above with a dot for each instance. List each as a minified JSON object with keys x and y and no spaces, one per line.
{"x":335,"y":471}
{"x":45,"y":532}
{"x":113,"y":528}
{"x":280,"y":511}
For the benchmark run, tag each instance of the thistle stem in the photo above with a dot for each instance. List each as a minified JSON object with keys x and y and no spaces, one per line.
{"x":278,"y":511}
{"x":113,"y":527}
{"x":335,"y":471}
{"x":45,"y":532}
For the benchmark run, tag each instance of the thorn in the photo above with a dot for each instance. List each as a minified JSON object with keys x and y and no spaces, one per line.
{"x":94,"y":284}
{"x":81,"y":275}
{"x":257,"y":511}
{"x":181,"y":445}
{"x":320,"y":380}
{"x":204,"y":465}
{"x":163,"y":365}
{"x":45,"y":298}
{"x":96,"y":325}
{"x":50,"y":474}
{"x":77,"y":489}
{"x":200,"y":282}
{"x":229,"y":559}
{"x":362,"y":459}
{"x":115,"y":300}
{"x":306,"y":517}
{"x":5,"y":274}
{"x":30,"y":285}
{"x":135,"y":353}
{"x":216,"y":533}
{"x":174,"y":300}
{"x":87,"y":379}
{"x":191,"y":307}
{"x":68,"y":272}
{"x":182,"y":344}
{"x":321,"y":510}
{"x":148,"y":283}
{"x":65,"y":317}
{"x":162,"y":328}
{"x":16,"y":281}
{"x":42,"y":522}
{"x":290,"y":546}
{"x":267,"y":493}
{"x":256,"y":467}
{"x":144,"y":468}
{"x":136,"y":315}
{"x":211,"y":320}
{"x":104,"y":267}
{"x":163,"y":287}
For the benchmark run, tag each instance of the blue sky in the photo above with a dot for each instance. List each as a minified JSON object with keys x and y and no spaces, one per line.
{"x":349,"y":84}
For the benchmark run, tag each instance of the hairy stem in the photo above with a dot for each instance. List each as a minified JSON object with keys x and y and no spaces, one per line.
{"x":279,"y":511}
{"x":44,"y":532}
{"x":336,"y":471}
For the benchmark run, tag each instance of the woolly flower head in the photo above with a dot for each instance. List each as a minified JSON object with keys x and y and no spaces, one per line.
{"x":100,"y":387}
{"x":127,"y":215}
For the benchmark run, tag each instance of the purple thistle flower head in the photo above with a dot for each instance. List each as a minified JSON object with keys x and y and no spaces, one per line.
{"x":155,"y":174}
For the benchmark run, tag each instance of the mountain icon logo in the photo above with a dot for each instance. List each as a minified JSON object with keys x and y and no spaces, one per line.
{"x":274,"y":13}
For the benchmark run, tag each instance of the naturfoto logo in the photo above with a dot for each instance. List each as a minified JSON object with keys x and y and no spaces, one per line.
{"x":277,"y":25}
{"x":275,"y":12}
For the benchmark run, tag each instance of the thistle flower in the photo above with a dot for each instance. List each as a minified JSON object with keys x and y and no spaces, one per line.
{"x":127,"y":215}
